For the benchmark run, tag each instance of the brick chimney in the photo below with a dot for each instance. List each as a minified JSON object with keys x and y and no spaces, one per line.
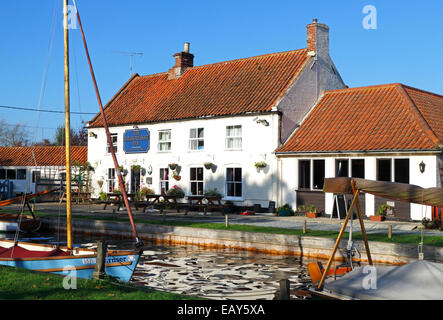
{"x":317,"y":38}
{"x":183,"y":60}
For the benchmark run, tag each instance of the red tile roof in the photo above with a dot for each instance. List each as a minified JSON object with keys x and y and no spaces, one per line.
{"x":386,"y":117}
{"x":44,"y":155}
{"x":225,"y":88}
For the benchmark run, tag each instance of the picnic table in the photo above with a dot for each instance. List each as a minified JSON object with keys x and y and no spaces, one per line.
{"x":78,"y":197}
{"x":117,"y":199}
{"x":204,"y":202}
{"x":155,"y":200}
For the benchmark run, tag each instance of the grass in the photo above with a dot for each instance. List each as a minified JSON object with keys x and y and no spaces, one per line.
{"x":380,"y":237}
{"x":21,"y":284}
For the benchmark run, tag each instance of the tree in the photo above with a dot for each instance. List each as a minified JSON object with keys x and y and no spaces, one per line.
{"x":79,"y":137}
{"x":13,"y":135}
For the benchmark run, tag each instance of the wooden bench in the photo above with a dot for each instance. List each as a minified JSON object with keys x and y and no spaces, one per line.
{"x":205,"y":203}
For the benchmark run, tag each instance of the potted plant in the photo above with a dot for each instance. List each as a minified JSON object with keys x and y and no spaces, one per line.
{"x":136,"y":168}
{"x":173,"y":166}
{"x":145,"y":191}
{"x":176,"y":191}
{"x":381,"y":213}
{"x":285,"y":211}
{"x":212,"y":193}
{"x":208,"y":165}
{"x":310,"y":210}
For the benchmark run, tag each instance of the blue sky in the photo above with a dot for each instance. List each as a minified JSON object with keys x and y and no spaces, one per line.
{"x":406,"y":46}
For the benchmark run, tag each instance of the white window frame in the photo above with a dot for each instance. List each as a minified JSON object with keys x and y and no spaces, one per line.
{"x":164,"y":179}
{"x":114,"y":143}
{"x":233,"y":198}
{"x":233,"y":137}
{"x":197,"y":138}
{"x":196,"y":180}
{"x":111,"y":179}
{"x":164,"y":142}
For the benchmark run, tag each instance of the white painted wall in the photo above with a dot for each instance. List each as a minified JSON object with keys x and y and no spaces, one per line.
{"x":429,"y":178}
{"x":258,"y":143}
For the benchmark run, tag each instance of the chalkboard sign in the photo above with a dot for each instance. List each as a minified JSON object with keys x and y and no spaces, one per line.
{"x":136,"y":141}
{"x":271,"y":206}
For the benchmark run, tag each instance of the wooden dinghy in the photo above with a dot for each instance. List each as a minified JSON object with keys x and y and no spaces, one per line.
{"x":419,"y":280}
{"x":78,"y":263}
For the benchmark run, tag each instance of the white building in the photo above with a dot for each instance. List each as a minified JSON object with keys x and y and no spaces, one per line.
{"x":232,"y":114}
{"x":34,"y":169}
{"x":388,"y":132}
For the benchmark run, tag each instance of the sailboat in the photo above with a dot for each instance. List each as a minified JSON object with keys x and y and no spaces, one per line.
{"x":65,"y":260}
{"x":418,"y":280}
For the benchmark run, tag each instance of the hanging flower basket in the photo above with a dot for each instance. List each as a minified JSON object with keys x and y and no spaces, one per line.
{"x":260,"y":164}
{"x":173,"y":166}
{"x":208,"y":165}
{"x":136,"y":168}
{"x":176,"y":176}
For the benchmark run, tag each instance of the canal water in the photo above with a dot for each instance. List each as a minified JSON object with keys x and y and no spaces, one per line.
{"x":207,"y":273}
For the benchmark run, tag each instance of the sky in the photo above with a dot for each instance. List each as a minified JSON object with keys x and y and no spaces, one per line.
{"x":392,"y":41}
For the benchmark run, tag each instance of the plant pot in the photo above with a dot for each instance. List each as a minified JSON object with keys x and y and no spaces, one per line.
{"x":311,"y":214}
{"x":377,"y":218}
{"x":208,"y":165}
{"x":172,"y":166}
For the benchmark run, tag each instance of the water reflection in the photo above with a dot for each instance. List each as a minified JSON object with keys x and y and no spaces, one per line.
{"x":208,"y":273}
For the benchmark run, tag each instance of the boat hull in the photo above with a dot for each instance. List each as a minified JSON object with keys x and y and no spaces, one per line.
{"x":119,"y":264}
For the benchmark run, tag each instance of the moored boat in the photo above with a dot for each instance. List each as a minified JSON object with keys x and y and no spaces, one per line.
{"x":75,"y":262}
{"x":418,"y":280}
{"x":79,"y":262}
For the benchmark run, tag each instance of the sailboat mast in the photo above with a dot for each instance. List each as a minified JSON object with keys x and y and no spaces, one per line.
{"x":121,"y":183}
{"x":67,"y":127}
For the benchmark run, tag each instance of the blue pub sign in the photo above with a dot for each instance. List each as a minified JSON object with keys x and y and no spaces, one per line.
{"x":136,"y":141}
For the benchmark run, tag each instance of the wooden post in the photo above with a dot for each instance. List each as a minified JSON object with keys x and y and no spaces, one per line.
{"x":67,"y":127}
{"x":284,"y":289}
{"x":354,"y":200}
{"x":304,"y":227}
{"x":390,"y":232}
{"x":227,"y":220}
{"x":362,"y":225}
{"x":99,"y":271}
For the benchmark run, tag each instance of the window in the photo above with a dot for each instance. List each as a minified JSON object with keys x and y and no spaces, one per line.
{"x":196,"y":139}
{"x":384,"y":169}
{"x":114,"y":143}
{"x":164,"y":180}
{"x":342,"y":168}
{"x":196,"y":180}
{"x":164,"y":140}
{"x":21,"y":174}
{"x":401,"y":170}
{"x":358,"y":168}
{"x":2,"y":173}
{"x":11,"y":174}
{"x":35,"y":176}
{"x":233,"y":138}
{"x":304,"y":170}
{"x":318,"y":174}
{"x":234,"y":182}
{"x":111,"y":179}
